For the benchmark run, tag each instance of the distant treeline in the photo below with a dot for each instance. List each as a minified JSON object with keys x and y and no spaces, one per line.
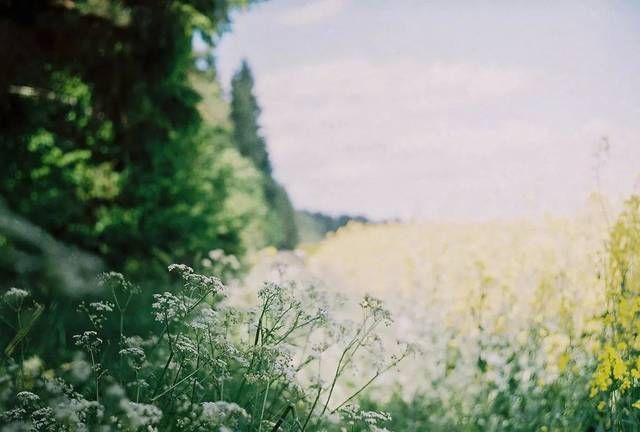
{"x":313,"y":226}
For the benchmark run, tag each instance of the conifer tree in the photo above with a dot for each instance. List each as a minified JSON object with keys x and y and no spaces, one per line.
{"x":244,"y":115}
{"x":281,"y":230}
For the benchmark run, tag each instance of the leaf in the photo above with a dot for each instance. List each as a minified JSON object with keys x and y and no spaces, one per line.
{"x":24,"y":331}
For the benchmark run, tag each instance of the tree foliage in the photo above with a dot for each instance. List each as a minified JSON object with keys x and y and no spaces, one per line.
{"x":314,"y":226}
{"x":281,"y":229}
{"x":109,"y":151}
{"x":244,"y":115}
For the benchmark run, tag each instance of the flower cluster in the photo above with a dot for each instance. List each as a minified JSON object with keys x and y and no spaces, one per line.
{"x":115,"y":380}
{"x":168,"y":307}
{"x":88,"y":340}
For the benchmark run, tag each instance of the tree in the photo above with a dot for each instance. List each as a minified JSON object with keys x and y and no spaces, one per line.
{"x":280,"y":226}
{"x":282,"y":230}
{"x":108,"y":151}
{"x":244,"y":115}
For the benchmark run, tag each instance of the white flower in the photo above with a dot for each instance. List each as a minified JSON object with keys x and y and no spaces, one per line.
{"x":88,"y":340}
{"x":43,"y":419}
{"x":27,"y":398}
{"x":102,"y":306}
{"x":135,"y":356}
{"x":186,"y":347}
{"x":14,"y":295}
{"x":168,"y":307}
{"x":205,"y":319}
{"x":219,"y":412}
{"x":80,"y":370}
{"x":139,"y":414}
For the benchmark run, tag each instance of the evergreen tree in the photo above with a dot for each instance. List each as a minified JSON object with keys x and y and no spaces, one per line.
{"x":281,"y":229}
{"x":244,"y":115}
{"x":280,"y":226}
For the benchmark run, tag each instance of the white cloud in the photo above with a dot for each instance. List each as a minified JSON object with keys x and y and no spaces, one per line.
{"x":311,"y":12}
{"x":454,"y":113}
{"x":440,"y":140}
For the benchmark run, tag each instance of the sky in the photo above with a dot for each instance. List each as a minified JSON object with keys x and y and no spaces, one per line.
{"x":445,"y":110}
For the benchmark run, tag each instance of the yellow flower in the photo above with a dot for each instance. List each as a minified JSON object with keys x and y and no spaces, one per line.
{"x":626,"y":385}
{"x":563,"y":361}
{"x":619,"y":368}
{"x":621,"y":346}
{"x":636,"y":404}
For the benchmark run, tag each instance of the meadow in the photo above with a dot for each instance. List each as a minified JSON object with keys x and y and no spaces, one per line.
{"x":498,"y":326}
{"x":513,"y":325}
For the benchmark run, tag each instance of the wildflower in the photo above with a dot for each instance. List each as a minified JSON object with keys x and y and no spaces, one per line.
{"x":112,"y":278}
{"x":186,"y":347}
{"x":222,"y":412}
{"x":168,"y":307}
{"x":181,"y":269}
{"x":376,"y":306}
{"x":270,"y":290}
{"x":115,"y":280}
{"x":135,"y":356}
{"x":139,"y":414}
{"x":373,"y":417}
{"x":115,"y":391}
{"x":75,"y":410}
{"x":32,"y":365}
{"x":205,"y":319}
{"x":619,"y":367}
{"x":79,"y":369}
{"x":102,"y":306}
{"x":27,"y":398}
{"x":97,"y":312}
{"x":636,"y":404}
{"x":621,"y":346}
{"x":43,"y":419}
{"x":13,"y":415}
{"x":563,"y":361}
{"x":322,"y":314}
{"x":15,"y":295}
{"x":88,"y":340}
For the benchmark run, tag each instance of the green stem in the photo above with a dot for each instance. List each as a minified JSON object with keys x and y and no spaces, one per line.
{"x":175,"y":385}
{"x":287,"y":410}
{"x":313,"y":406}
{"x":264,"y":402}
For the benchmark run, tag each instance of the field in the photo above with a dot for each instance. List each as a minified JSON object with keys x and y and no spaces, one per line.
{"x":504,"y":318}
{"x":497,"y":326}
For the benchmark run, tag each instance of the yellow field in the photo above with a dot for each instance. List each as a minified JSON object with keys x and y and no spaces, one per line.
{"x":514,"y":323}
{"x":469,"y":293}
